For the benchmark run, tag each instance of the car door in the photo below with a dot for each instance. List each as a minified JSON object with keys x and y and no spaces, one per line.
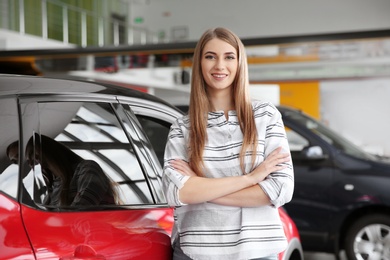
{"x":310,"y":207}
{"x":97,"y":129}
{"x":14,"y":242}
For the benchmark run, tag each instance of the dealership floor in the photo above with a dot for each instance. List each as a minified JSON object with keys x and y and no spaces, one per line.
{"x":322,"y":256}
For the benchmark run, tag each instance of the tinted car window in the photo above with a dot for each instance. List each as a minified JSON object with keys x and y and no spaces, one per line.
{"x":296,"y":141}
{"x":93,"y":131}
{"x":9,"y":170}
{"x":328,"y":135}
{"x":150,"y":161}
{"x":157,"y":132}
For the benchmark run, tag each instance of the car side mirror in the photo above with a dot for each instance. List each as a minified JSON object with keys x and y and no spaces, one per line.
{"x":313,"y":153}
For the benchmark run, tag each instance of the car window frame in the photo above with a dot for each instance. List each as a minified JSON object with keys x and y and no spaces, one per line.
{"x":111,"y":100}
{"x":307,"y":134}
{"x":145,"y":153}
{"x":155,"y":110}
{"x":15,"y":193}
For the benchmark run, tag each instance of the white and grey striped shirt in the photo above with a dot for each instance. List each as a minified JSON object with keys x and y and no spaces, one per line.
{"x":211,"y":231}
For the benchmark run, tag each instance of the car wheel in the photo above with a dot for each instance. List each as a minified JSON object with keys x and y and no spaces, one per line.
{"x":369,"y":238}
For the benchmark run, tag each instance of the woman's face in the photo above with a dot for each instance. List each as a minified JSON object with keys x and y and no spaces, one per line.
{"x":219,"y":63}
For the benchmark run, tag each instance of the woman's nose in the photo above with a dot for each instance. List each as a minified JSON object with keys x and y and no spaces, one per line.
{"x":220,"y":64}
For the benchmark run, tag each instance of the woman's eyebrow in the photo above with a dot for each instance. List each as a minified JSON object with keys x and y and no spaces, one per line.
{"x":226,"y":53}
{"x":230,"y":53}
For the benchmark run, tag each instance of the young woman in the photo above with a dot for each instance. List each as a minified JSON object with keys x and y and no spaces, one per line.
{"x":227,"y":164}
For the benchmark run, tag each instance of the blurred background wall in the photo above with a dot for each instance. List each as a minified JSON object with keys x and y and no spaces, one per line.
{"x":344,"y":83}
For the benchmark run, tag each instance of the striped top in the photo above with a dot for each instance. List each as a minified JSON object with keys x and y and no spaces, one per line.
{"x":211,"y":231}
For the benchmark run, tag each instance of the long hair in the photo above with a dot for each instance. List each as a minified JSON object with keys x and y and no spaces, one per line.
{"x":200,"y":105}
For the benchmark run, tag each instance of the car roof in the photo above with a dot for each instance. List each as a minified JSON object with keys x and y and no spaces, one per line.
{"x":284,"y":109}
{"x":11,"y":85}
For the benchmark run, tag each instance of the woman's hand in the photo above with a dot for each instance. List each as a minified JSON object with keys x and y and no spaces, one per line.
{"x":273,"y":162}
{"x":182,"y":167}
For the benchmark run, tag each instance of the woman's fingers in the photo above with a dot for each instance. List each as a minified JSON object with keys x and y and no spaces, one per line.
{"x":276,"y":158}
{"x":182,"y":167}
{"x":275,"y":161}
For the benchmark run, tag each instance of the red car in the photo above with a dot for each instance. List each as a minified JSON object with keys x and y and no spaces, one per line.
{"x":294,"y":249}
{"x":124,"y":131}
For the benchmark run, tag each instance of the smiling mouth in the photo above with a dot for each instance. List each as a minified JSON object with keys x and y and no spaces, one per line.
{"x":219,"y":75}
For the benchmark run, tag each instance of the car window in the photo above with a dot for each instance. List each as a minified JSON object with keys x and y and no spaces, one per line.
{"x":296,"y":141}
{"x":9,"y":134}
{"x":142,"y":131}
{"x":328,"y":135}
{"x":157,"y":132}
{"x":92,"y":131}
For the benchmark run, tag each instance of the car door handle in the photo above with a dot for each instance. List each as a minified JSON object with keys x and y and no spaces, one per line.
{"x":84,"y":252}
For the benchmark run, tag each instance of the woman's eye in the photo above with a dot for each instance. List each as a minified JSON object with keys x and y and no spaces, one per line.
{"x":230,"y":57}
{"x":209,"y":57}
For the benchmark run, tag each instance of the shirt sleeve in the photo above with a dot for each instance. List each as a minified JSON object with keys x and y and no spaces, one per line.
{"x":279,"y":186}
{"x":175,"y":148}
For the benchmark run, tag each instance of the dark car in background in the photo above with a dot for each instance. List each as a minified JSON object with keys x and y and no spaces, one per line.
{"x":342,"y":194}
{"x":124,"y":131}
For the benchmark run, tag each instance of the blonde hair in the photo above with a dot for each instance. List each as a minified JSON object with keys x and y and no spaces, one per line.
{"x":200,"y":105}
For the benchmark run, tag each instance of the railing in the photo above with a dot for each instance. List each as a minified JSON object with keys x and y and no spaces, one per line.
{"x":71,"y":24}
